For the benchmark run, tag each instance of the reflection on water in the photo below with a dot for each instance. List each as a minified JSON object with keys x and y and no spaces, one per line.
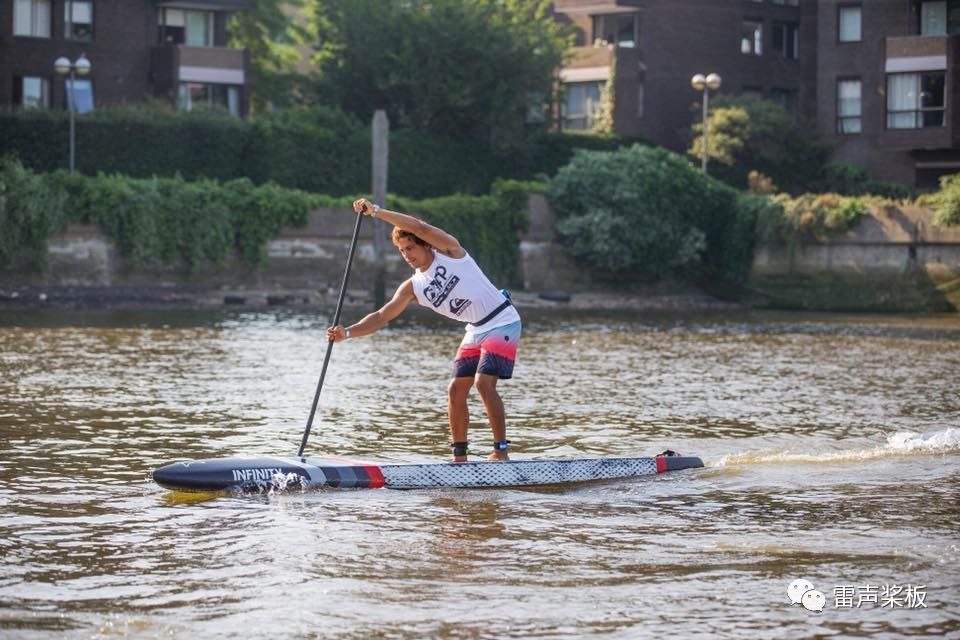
{"x":832,"y":446}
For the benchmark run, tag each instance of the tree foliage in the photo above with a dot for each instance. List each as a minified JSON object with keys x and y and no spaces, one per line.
{"x":747,"y":134}
{"x":450,"y":67}
{"x":946,"y":201}
{"x":276,"y":34}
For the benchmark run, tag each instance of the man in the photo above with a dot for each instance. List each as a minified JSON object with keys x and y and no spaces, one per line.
{"x":448,"y":281}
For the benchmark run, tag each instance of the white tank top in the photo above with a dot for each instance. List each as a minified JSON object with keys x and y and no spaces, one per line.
{"x":458,"y":289}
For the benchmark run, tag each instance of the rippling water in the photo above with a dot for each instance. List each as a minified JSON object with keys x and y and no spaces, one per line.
{"x":832,"y":446}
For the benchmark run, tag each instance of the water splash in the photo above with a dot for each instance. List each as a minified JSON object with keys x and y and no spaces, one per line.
{"x":903,"y":443}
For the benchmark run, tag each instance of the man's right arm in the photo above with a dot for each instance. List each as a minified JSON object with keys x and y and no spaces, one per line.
{"x":373,"y":322}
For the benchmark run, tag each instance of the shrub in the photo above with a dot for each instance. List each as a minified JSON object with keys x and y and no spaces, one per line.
{"x":29,"y":212}
{"x":852,"y":180}
{"x":648,"y":209}
{"x":810,"y":216}
{"x":946,"y":201}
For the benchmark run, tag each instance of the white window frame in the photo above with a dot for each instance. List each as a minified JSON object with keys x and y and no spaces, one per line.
{"x":69,"y":19}
{"x":43,"y":101}
{"x":933,"y":18}
{"x":848,"y":31}
{"x":32,"y":18}
{"x":906,"y":110}
{"x":751,"y":43}
{"x":849,"y":106}
{"x":591,"y":107}
{"x":185,"y":100}
{"x":181,"y":18}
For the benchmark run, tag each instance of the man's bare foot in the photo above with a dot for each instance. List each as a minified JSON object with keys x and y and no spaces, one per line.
{"x":458,"y":458}
{"x":498,"y":455}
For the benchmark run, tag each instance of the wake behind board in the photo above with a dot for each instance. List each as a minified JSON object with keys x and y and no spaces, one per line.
{"x":216,"y":474}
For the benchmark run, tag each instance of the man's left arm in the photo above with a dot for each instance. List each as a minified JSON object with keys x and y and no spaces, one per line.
{"x":435,"y":236}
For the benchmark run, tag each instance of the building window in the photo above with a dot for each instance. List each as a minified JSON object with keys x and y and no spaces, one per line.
{"x":933,"y":18}
{"x":786,"y":39}
{"x":849,"y":24}
{"x":751,"y":38}
{"x":848,"y":106}
{"x":786,"y":98}
{"x":789,"y":3}
{"x":31,"y":92}
{"x":752,"y":92}
{"x":580,"y":105}
{"x":80,"y":93}
{"x":915,"y":100}
{"x":78,"y":19}
{"x":192,"y":28}
{"x":32,"y":18}
{"x":193,"y":95}
{"x":940,"y":17}
{"x":616,"y":28}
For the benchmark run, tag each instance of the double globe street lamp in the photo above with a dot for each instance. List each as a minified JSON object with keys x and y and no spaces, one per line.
{"x":64,"y":67}
{"x":705,"y":84}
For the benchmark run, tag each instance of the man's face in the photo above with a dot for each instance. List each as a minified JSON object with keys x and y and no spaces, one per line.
{"x":418,"y":256}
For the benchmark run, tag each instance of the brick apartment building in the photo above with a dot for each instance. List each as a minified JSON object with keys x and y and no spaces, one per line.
{"x":876,"y":79}
{"x":138,"y":49}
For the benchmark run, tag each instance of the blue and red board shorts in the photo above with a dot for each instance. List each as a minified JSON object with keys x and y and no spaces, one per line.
{"x":492,"y":351}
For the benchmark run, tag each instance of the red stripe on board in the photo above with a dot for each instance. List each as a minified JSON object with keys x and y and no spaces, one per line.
{"x":375,"y":475}
{"x":661,"y":464}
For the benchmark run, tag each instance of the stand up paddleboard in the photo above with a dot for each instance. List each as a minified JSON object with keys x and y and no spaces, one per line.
{"x":259,"y":474}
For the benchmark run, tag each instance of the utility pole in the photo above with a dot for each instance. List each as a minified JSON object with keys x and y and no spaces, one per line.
{"x":380,"y":133}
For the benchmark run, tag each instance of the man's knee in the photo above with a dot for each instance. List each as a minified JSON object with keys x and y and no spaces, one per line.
{"x":486,"y":385}
{"x":459,"y":388}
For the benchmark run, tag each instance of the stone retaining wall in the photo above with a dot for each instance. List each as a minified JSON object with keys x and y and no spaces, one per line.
{"x":892,"y":259}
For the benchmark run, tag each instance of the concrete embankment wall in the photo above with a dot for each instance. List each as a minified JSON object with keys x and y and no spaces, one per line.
{"x":892,"y":259}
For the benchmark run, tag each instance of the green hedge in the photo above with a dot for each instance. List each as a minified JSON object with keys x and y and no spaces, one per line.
{"x":315,"y":149}
{"x":151,"y":221}
{"x":175,"y":222}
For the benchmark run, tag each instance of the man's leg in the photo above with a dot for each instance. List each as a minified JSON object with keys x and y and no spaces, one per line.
{"x":457,"y":412}
{"x":487,"y":388}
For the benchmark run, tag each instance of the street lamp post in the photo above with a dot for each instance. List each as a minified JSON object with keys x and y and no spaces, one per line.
{"x":64,"y":67}
{"x":705,"y":84}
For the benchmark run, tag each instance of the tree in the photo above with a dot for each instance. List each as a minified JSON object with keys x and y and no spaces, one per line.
{"x":748,"y":134}
{"x":459,"y":68}
{"x":276,"y":33}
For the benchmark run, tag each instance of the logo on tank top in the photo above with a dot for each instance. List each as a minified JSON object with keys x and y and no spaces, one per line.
{"x":459,"y":305}
{"x":440,"y":287}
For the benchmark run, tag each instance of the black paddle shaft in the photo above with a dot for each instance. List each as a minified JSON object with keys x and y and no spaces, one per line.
{"x":336,"y":321}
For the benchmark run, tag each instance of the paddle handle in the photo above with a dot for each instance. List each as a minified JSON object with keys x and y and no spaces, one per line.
{"x":336,"y":321}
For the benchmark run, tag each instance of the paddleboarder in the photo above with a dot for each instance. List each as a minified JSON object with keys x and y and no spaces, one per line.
{"x":448,"y":281}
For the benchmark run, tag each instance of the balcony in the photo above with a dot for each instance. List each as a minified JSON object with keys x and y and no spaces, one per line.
{"x":211,"y":5}
{"x":927,"y":57}
{"x":173,"y":65}
{"x":588,"y":63}
{"x":596,"y":7}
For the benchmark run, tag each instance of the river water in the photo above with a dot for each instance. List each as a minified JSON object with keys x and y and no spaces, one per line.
{"x":831,"y":444}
